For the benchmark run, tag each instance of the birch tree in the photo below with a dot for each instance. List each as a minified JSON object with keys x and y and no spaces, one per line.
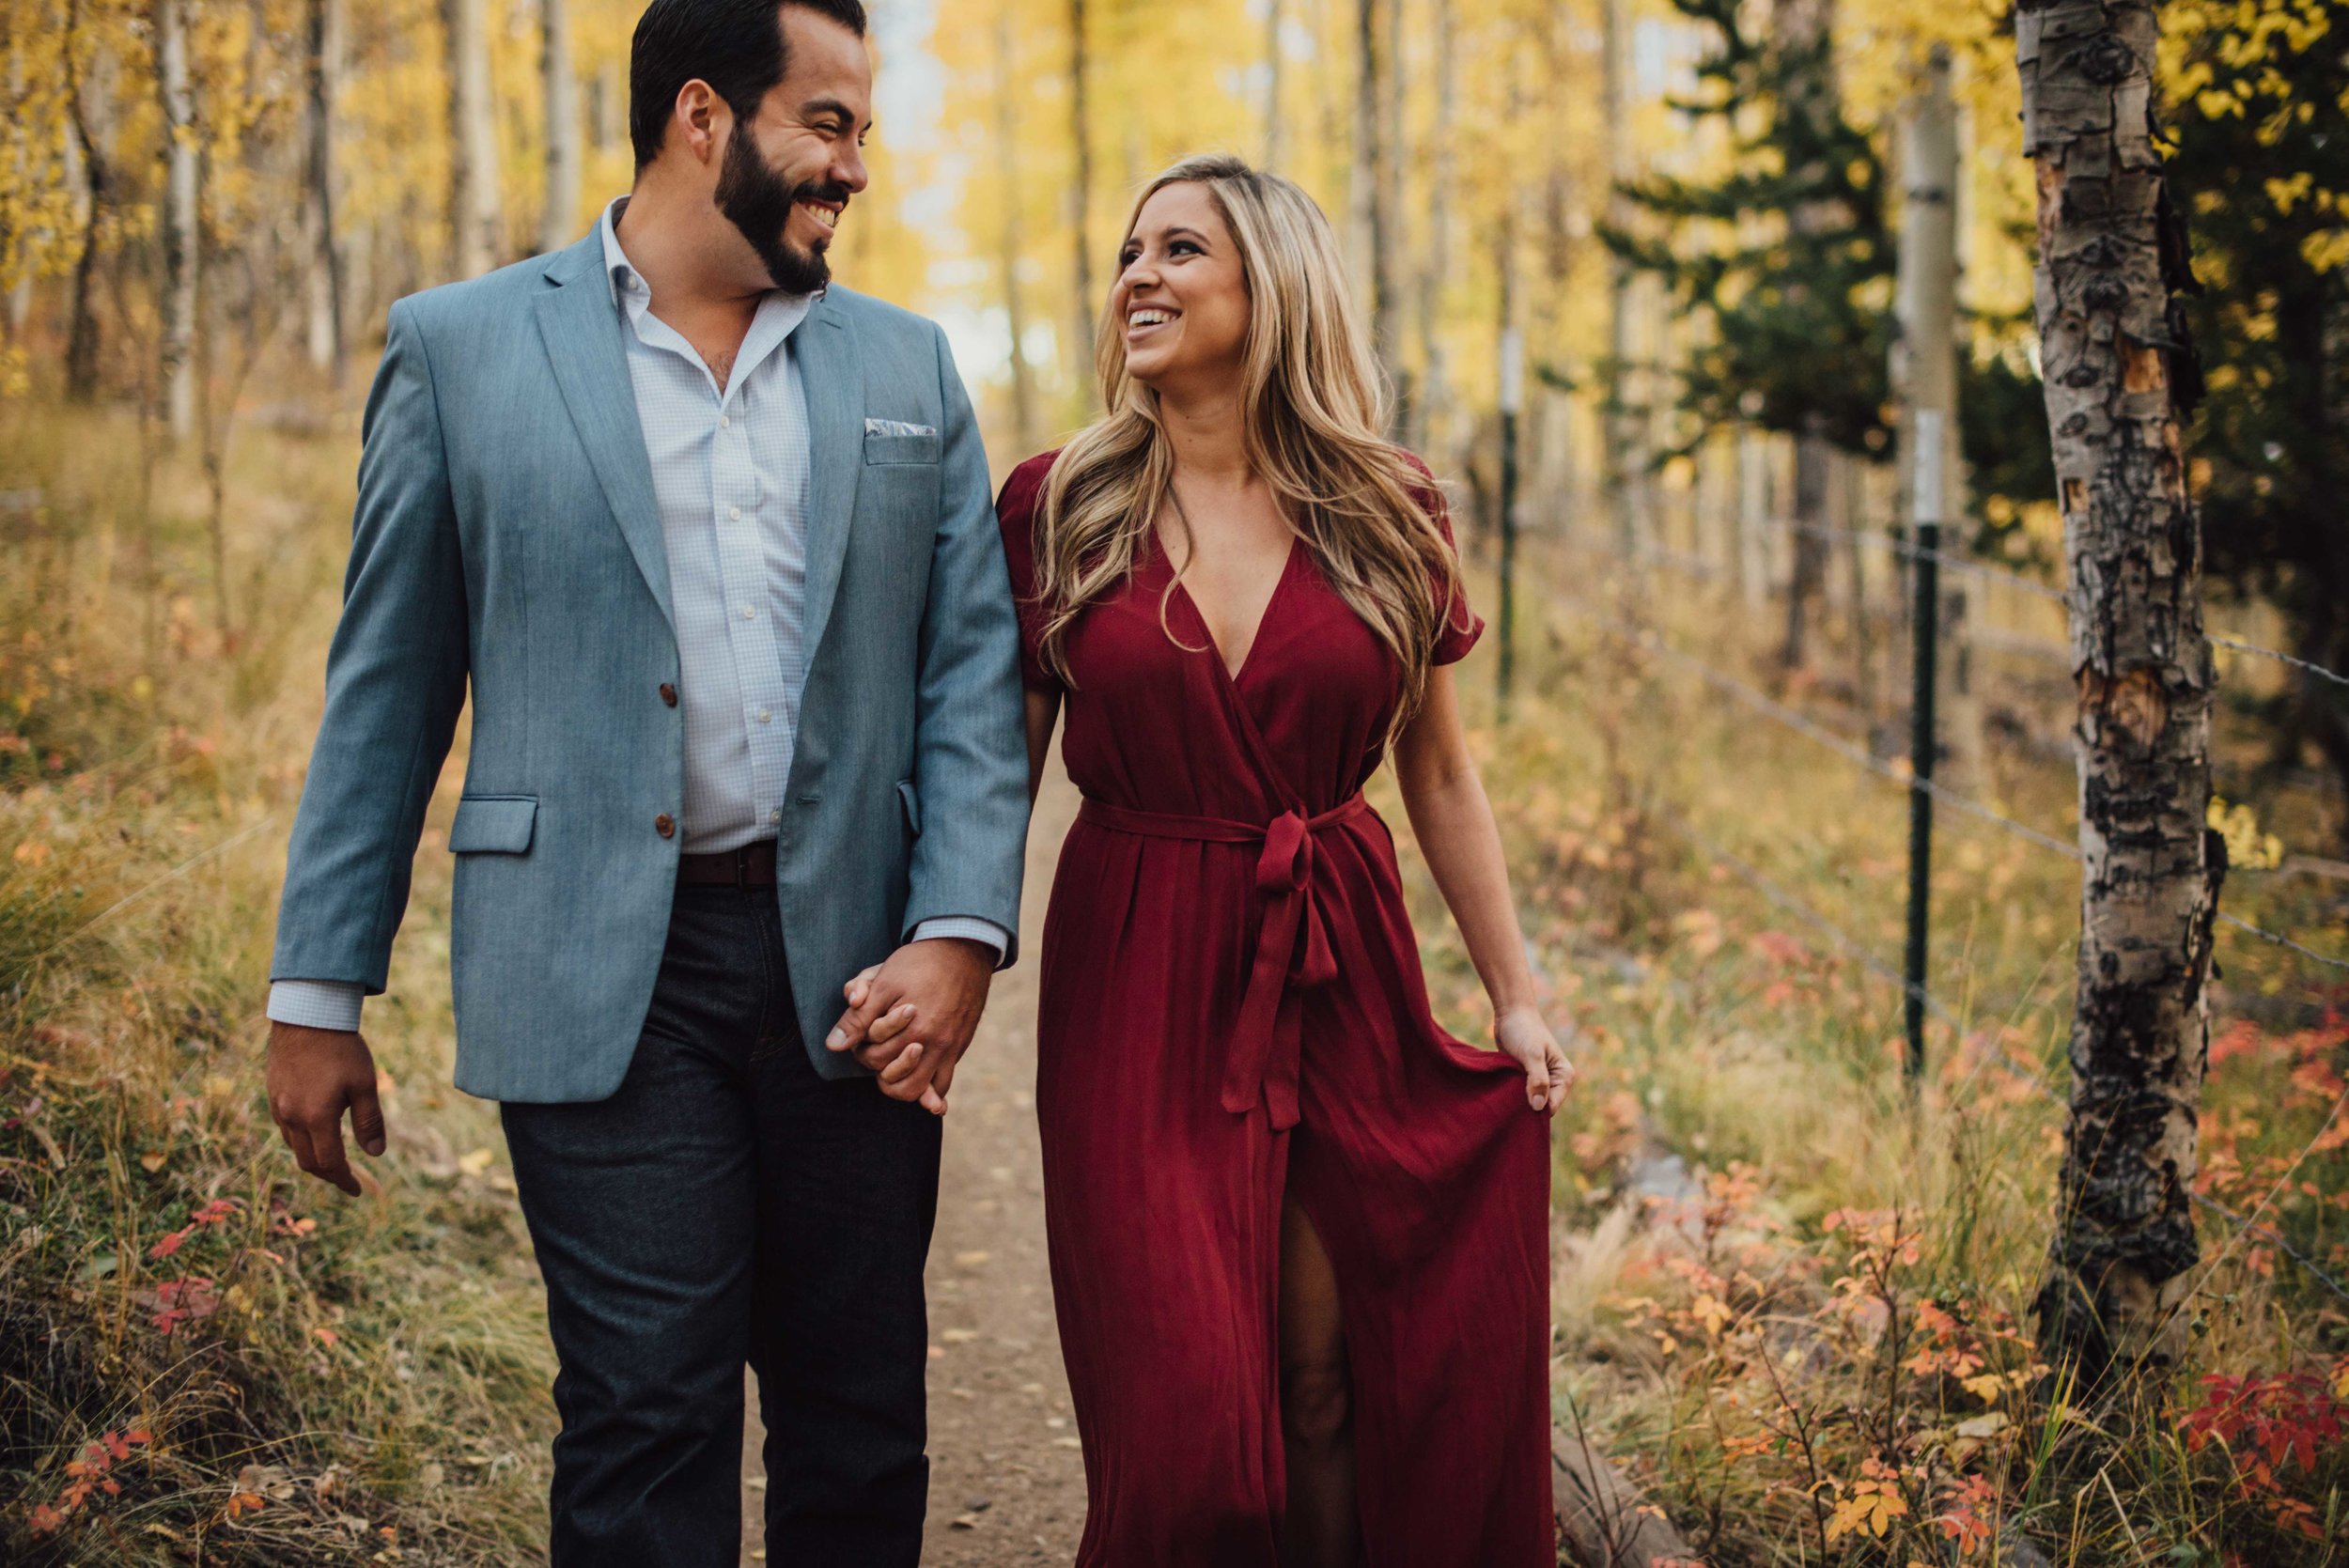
{"x":180,"y":233}
{"x":1081,"y":202}
{"x":323,"y":74}
{"x":560,"y":215}
{"x":474,"y":215}
{"x":2120,"y":377}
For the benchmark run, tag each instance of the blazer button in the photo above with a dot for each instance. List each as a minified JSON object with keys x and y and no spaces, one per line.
{"x":664,"y":825}
{"x":668,"y":693}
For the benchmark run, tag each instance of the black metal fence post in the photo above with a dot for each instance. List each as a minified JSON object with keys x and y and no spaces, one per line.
{"x":1511,"y":399}
{"x":1925,"y":626}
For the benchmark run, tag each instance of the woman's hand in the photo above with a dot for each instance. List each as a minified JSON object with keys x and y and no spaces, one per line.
{"x":1526,"y":1039}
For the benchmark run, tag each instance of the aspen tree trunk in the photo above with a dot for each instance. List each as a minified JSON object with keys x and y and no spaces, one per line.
{"x":1023,"y":409}
{"x":1753,"y":516}
{"x":1813,"y":457}
{"x":181,"y":217}
{"x":1388,"y":262}
{"x":1802,"y":27}
{"x":607,"y":98}
{"x":559,"y":217}
{"x":1435,"y":391}
{"x":1081,"y":203}
{"x":475,"y":213}
{"x":2120,"y":377}
{"x":1618,"y":444}
{"x":1273,"y":150}
{"x":1371,"y":180}
{"x":80,"y":343}
{"x":326,"y":283}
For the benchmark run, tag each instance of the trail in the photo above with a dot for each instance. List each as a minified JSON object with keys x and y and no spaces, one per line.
{"x":1007,"y":1483}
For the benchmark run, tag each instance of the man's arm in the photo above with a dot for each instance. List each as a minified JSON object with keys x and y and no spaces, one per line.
{"x":970,"y":769}
{"x":913,"y":1018}
{"x":394,"y":685}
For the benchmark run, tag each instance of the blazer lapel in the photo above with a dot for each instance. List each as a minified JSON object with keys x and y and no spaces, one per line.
{"x":833,"y":383}
{"x":581,"y":328}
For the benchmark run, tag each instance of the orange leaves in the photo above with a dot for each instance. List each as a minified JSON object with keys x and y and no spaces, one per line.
{"x":1870,"y":1504}
{"x":90,"y":1472}
{"x":1971,"y":1520}
{"x":178,"y":1301}
{"x":213,"y":1213}
{"x":2270,"y":1424}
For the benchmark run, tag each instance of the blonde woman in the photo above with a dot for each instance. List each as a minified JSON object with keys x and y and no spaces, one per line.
{"x":1299,"y":1233}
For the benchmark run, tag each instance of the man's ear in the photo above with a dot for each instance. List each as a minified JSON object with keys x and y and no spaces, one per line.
{"x":700,"y":121}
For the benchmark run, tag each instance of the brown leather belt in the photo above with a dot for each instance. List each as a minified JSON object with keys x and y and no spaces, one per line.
{"x":751,"y":866}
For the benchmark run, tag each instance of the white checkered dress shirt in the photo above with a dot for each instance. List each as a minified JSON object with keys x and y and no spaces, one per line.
{"x":730,"y":475}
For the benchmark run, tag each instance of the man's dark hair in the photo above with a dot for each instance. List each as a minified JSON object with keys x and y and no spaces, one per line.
{"x":734,"y":45}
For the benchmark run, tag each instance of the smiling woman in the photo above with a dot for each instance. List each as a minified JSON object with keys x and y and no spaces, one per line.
{"x":1243,"y":596}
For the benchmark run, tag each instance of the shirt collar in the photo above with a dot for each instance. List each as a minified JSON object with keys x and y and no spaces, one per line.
{"x":632,"y":294}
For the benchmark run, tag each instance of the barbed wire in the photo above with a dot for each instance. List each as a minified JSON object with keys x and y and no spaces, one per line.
{"x":2256,"y":652}
{"x":1698,"y":566}
{"x":1852,"y":752}
{"x":2278,"y":940}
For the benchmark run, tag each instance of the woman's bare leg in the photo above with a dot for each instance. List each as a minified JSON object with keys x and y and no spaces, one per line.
{"x":1323,"y":1527}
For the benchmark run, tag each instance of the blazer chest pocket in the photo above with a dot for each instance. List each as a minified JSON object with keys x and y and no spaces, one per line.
{"x":494,"y":825}
{"x":881,"y":448}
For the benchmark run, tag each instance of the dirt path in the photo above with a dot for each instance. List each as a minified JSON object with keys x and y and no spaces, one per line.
{"x":1006,"y":1485}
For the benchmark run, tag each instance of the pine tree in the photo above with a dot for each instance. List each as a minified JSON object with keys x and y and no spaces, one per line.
{"x":2262,"y":145}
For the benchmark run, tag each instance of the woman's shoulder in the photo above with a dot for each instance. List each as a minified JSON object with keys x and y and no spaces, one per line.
{"x":1025,"y":486}
{"x":1425,"y":489}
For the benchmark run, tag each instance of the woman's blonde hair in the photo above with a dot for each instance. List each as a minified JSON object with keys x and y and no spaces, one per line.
{"x":1313,"y":408}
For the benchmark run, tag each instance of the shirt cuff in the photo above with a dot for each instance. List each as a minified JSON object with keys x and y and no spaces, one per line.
{"x":969,"y":928}
{"x":317,"y":1003}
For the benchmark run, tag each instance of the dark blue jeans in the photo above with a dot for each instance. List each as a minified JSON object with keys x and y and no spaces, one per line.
{"x":727,"y":1206}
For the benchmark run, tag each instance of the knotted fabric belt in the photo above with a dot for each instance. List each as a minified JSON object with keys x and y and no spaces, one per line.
{"x":1266,"y":1050}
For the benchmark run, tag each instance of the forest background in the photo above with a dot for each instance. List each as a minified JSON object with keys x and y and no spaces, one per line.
{"x":1651,"y":279}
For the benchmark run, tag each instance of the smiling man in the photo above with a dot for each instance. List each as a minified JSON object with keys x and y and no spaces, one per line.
{"x":709,"y":542}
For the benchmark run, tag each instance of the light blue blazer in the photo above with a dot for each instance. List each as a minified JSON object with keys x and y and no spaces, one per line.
{"x":506,"y":539}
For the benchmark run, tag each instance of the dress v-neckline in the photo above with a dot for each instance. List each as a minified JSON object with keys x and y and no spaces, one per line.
{"x":1264,"y":616}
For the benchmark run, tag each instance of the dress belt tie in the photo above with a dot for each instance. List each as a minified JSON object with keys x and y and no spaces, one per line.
{"x":1267,"y":1049}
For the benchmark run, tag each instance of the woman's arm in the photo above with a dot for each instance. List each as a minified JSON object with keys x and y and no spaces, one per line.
{"x":1445,"y":799}
{"x":1043,"y":712}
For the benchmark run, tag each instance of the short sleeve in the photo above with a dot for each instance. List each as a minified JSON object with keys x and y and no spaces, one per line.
{"x":1461,"y":626}
{"x":1016,"y":510}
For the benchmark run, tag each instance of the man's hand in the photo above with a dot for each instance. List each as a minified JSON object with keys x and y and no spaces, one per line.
{"x":911,"y":1018}
{"x":315,"y":1075}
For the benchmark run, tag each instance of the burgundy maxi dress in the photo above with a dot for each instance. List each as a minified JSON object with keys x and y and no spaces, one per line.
{"x":1232,"y":1009}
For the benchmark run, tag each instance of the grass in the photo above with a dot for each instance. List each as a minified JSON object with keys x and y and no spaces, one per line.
{"x":298,"y":1379}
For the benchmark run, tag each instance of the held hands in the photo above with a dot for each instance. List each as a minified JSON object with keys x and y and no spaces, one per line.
{"x":912,"y":1018}
{"x":315,"y":1075}
{"x":1526,"y":1039}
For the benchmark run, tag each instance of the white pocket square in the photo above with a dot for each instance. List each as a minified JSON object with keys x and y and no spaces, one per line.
{"x":896,"y":427}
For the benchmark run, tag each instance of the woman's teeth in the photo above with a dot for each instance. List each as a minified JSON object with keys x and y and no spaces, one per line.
{"x":1149,"y":318}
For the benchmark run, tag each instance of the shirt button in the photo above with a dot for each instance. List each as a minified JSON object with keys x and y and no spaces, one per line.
{"x":774,"y":816}
{"x":664,"y":825}
{"x":748,"y":612}
{"x":764,"y":715}
{"x":726,"y":422}
{"x":668,"y":693}
{"x":735,"y":512}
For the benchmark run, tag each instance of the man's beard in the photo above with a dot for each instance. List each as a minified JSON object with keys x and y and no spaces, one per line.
{"x":758,"y":202}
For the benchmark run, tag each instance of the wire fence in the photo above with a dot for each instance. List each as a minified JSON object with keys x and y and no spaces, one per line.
{"x":1858,"y":753}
